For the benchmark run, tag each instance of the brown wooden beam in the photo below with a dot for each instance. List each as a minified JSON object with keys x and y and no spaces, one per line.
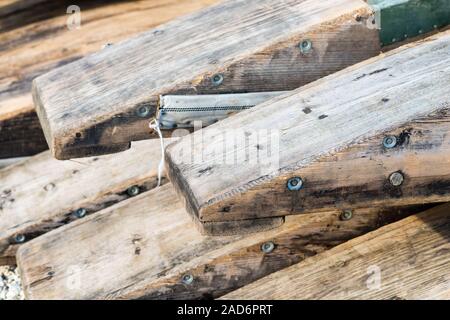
{"x":34,"y":39}
{"x":406,"y":260}
{"x":331,"y":148}
{"x":148,"y":248}
{"x":236,"y":46}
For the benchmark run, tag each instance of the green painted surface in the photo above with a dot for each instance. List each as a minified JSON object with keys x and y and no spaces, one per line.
{"x":402,"y":19}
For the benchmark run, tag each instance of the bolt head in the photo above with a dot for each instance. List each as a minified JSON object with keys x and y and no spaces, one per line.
{"x":133,"y":191}
{"x":106,"y":45}
{"x":295,"y":184}
{"x":346,"y":215}
{"x":49,"y":187}
{"x":20,"y":238}
{"x":81,"y":213}
{"x":396,"y":179}
{"x":217,"y":79}
{"x":187,"y":279}
{"x":267,"y":247}
{"x":143,"y":111}
{"x":390,"y":142}
{"x":305,"y":46}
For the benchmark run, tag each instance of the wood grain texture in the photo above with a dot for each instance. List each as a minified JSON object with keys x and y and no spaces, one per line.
{"x":359,"y":175}
{"x":34,"y":39}
{"x":7,"y":162}
{"x":404,"y":92}
{"x":253,"y":44}
{"x":41,"y":193}
{"x":142,"y":248}
{"x":408,"y":259}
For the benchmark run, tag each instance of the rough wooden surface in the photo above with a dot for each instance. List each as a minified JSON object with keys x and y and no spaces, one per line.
{"x":143,"y":247}
{"x":34,"y":39}
{"x":323,"y":119}
{"x":41,"y":193}
{"x":253,"y":44}
{"x":408,"y":259}
{"x":10,"y":161}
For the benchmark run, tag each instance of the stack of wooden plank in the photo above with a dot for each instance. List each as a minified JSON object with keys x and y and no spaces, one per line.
{"x":332,"y":185}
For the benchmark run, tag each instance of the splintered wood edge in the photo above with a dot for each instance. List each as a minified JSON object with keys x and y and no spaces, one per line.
{"x":45,"y":123}
{"x":238,"y":227}
{"x":221,"y":228}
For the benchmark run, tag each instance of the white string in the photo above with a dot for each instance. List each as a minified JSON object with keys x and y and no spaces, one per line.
{"x":154,"y":125}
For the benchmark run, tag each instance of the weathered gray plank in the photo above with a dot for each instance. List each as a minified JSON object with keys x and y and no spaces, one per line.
{"x":92,"y":106}
{"x":34,"y":39}
{"x":8,"y":162}
{"x":143,"y":247}
{"x":408,"y":260}
{"x":391,"y":93}
{"x":41,"y":193}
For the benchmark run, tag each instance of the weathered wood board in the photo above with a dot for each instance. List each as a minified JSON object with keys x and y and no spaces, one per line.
{"x":329,"y":139}
{"x":34,"y":38}
{"x":253,"y":46}
{"x":41,"y":193}
{"x":10,"y":161}
{"x":408,"y":260}
{"x":148,"y":248}
{"x":247,"y":46}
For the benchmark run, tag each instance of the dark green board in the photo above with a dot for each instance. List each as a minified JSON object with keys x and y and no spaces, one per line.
{"x":402,"y":19}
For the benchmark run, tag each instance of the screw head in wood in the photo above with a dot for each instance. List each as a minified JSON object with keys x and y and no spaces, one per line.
{"x":295,"y":184}
{"x":346,"y":215}
{"x":133,"y":191}
{"x":396,"y":179}
{"x":267,"y":247}
{"x":80,"y":213}
{"x":20,"y":238}
{"x":143,"y":111}
{"x":106,"y":45}
{"x":390,"y":142}
{"x":217,"y":79}
{"x":187,"y":279}
{"x":305,"y":46}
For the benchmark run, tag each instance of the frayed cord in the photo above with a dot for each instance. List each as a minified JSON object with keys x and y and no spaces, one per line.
{"x":155,"y":125}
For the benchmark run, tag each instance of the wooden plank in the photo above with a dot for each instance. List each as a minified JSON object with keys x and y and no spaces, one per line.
{"x":41,"y":193}
{"x":408,"y":260}
{"x":34,"y":39}
{"x":8,"y":162}
{"x":9,"y":8}
{"x":144,"y":247}
{"x":254,"y":46}
{"x":392,"y":94}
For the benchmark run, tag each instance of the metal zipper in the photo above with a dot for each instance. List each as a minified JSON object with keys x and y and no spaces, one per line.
{"x":204,"y":110}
